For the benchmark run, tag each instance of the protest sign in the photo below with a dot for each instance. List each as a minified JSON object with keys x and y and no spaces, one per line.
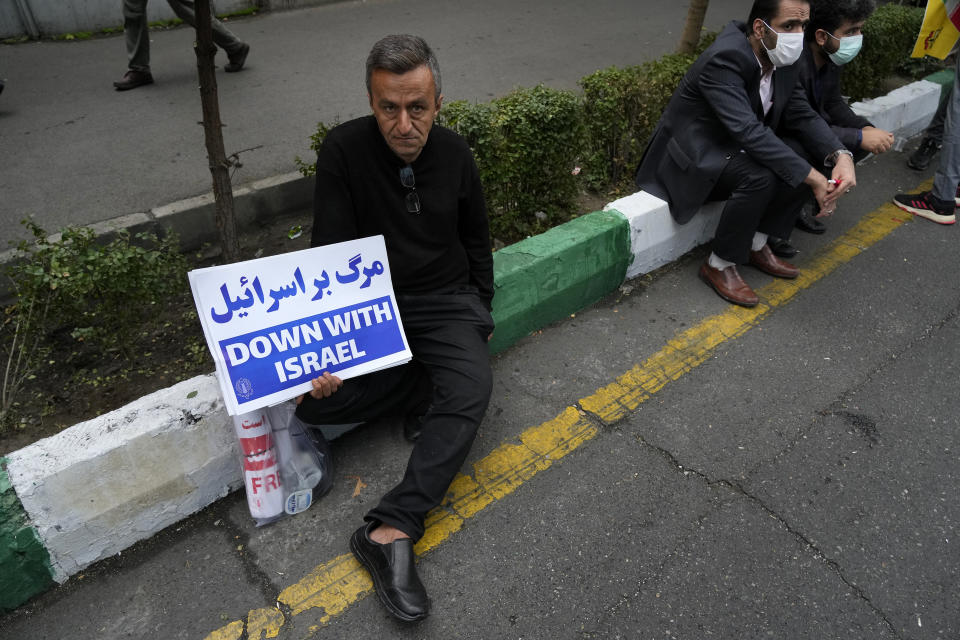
{"x":273,"y":324}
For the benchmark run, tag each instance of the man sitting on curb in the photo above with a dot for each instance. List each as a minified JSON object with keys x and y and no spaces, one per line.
{"x":394,"y":173}
{"x":717,"y":140}
{"x":833,"y":38}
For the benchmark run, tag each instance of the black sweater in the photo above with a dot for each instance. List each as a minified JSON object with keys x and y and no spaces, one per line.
{"x":359,"y":194}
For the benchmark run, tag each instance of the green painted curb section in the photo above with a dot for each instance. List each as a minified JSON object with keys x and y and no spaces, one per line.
{"x":944,"y":78}
{"x":24,"y":562}
{"x":547,"y":277}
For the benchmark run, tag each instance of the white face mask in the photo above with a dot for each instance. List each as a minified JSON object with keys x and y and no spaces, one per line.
{"x":788,"y":49}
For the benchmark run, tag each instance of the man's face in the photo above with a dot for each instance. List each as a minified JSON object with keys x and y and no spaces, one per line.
{"x":404,"y":105}
{"x":846,"y":29}
{"x":792,"y":18}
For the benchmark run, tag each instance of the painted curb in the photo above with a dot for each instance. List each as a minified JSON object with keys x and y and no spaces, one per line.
{"x":547,"y":277}
{"x":655,"y":237}
{"x":905,"y":111}
{"x":101,"y":485}
{"x":157,"y":460}
{"x":24,"y":563}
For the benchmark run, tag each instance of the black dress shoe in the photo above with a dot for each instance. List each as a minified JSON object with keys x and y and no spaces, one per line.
{"x":782,"y":248}
{"x":235,"y":62}
{"x":394,"y":574}
{"x":807,"y":222}
{"x":133,"y":79}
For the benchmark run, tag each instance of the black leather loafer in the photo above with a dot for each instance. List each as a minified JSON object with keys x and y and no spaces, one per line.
{"x":807,"y":222}
{"x":394,"y":574}
{"x":782,"y":248}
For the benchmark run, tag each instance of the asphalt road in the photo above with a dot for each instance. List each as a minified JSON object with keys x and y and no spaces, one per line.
{"x":796,"y":479}
{"x":75,"y":151}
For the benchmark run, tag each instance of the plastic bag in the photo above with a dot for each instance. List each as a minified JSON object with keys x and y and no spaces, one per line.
{"x":285,"y":469}
{"x":305,"y":461}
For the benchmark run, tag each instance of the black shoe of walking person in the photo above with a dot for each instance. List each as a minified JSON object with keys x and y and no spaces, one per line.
{"x":394,"y":574}
{"x":237,"y":60}
{"x":920,"y":159}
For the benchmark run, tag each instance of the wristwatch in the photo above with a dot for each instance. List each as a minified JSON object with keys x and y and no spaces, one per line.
{"x":831,"y":159}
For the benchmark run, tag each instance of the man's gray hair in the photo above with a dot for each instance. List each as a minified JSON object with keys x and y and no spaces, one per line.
{"x":400,"y":54}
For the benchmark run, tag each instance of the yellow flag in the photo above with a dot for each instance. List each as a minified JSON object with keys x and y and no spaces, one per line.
{"x":940,"y":30}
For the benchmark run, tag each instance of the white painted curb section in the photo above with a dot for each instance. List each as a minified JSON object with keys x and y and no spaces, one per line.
{"x":98,"y":487}
{"x":655,"y":237}
{"x":905,"y":111}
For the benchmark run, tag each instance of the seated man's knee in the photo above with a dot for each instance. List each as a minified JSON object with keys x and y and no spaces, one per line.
{"x":759,"y":180}
{"x":469,"y":396}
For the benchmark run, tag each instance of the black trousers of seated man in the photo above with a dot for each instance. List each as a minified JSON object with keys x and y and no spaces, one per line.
{"x":756,"y":200}
{"x":450,"y":373}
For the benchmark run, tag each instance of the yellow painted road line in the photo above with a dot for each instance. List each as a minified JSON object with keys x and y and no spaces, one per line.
{"x":333,"y":586}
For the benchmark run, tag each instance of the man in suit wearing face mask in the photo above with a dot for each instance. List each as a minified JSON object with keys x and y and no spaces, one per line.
{"x":834,"y":37}
{"x":720,"y":139}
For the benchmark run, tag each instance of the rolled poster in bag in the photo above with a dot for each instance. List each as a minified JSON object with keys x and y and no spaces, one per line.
{"x":261,"y":471}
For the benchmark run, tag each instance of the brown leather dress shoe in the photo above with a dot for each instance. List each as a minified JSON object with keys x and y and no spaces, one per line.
{"x":769,"y":263}
{"x":729,"y":285}
{"x":133,"y":79}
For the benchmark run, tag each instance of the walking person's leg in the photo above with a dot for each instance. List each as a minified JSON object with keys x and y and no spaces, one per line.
{"x":137,"y":39}
{"x":236,"y":49}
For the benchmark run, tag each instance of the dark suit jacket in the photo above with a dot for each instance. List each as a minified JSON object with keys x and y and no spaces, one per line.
{"x":716,"y":112}
{"x":829,"y":104}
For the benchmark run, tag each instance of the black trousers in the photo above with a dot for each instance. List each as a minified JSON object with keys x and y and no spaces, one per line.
{"x":450,"y":373}
{"x":757,"y":200}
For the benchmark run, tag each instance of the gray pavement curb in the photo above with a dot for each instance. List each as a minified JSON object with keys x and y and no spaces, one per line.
{"x":183,"y":436}
{"x":194,"y":219}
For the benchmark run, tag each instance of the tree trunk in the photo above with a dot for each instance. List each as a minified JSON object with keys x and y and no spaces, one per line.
{"x":216,"y":156}
{"x":691,"y":31}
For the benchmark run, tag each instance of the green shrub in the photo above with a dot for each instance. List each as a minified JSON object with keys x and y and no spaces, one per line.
{"x":622,"y":107}
{"x":526,"y":146}
{"x":888,"y":39}
{"x":96,"y":293}
{"x":308,"y":169}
